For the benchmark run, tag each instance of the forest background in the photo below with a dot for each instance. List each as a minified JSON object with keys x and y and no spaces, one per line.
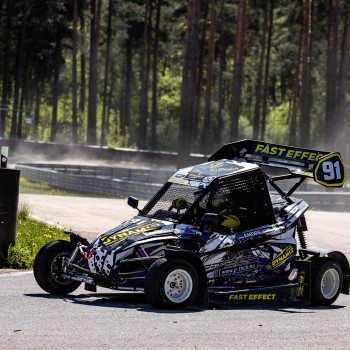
{"x":184,"y":75}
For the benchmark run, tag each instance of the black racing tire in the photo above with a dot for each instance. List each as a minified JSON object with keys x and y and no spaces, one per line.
{"x":171,"y":283}
{"x":327,"y":282}
{"x":47,"y":268}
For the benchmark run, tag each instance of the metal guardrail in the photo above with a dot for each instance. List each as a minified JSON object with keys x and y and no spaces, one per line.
{"x":64,"y":151}
{"x":143,"y":183}
{"x":120,"y":182}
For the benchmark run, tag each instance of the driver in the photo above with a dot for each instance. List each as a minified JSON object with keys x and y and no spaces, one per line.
{"x":221,"y":205}
{"x":225,"y":208}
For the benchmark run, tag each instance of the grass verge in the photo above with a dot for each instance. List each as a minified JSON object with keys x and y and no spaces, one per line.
{"x":31,"y":236}
{"x":29,"y":187}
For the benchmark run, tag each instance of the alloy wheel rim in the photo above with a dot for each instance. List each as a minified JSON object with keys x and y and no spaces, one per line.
{"x":57,"y":269}
{"x":330,"y":283}
{"x":178,"y":286}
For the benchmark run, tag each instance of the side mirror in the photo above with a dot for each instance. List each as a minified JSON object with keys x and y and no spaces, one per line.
{"x":133,"y":203}
{"x":210,"y":218}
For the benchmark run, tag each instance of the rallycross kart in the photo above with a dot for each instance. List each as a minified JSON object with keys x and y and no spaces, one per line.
{"x":213,"y":229}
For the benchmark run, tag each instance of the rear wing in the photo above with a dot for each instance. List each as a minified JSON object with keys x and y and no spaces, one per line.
{"x":326,"y":168}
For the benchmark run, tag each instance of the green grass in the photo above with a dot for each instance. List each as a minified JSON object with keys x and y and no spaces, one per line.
{"x":31,"y":236}
{"x":28,"y":187}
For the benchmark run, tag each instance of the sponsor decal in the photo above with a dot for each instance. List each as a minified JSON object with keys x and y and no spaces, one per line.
{"x":215,"y":165}
{"x":122,"y":235}
{"x":208,"y":179}
{"x":300,"y":289}
{"x":223,"y":167}
{"x":239,"y":269}
{"x":252,"y":297}
{"x":179,"y":176}
{"x":330,"y":171}
{"x":195,"y":177}
{"x":283,"y":256}
{"x":250,"y":234}
{"x":189,"y":231}
{"x":175,"y":179}
{"x":298,"y":154}
{"x":91,"y":253}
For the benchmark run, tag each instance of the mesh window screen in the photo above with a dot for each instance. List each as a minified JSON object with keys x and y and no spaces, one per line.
{"x":170,"y":203}
{"x":248,"y":192}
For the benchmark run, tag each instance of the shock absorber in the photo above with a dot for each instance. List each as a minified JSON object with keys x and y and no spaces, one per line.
{"x":301,"y":228}
{"x":142,"y":253}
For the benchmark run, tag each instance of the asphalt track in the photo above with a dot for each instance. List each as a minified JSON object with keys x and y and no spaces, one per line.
{"x":32,"y":319}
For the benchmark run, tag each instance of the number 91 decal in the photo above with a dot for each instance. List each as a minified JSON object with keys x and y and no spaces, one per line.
{"x":330,"y":171}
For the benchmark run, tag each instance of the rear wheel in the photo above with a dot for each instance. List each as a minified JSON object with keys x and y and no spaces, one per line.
{"x":171,"y":283}
{"x":327,"y":281}
{"x":48,"y":268}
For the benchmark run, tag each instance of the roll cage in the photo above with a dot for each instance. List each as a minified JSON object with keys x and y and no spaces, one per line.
{"x":237,"y":168}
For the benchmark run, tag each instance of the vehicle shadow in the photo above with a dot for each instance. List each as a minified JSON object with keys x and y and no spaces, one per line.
{"x":137,"y":301}
{"x":285,"y":307}
{"x":126,"y":300}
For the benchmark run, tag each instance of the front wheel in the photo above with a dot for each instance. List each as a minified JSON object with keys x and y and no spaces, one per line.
{"x":48,"y":268}
{"x":171,"y":283}
{"x":327,"y":282}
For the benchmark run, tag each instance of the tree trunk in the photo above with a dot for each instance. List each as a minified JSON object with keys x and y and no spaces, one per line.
{"x":93,"y":79}
{"x":267,"y":74}
{"x":144,"y":82}
{"x":197,"y":103}
{"x":82,"y":64}
{"x":305,"y":100}
{"x":295,"y":93}
{"x":205,"y":144}
{"x":331,"y":74}
{"x":221,"y":75}
{"x":74,"y":74}
{"x":6,"y":66}
{"x":344,"y":64}
{"x":256,"y":124}
{"x":110,"y":95}
{"x":128,"y":84}
{"x":24,"y":97}
{"x":55,"y":90}
{"x":36,"y":113}
{"x":188,"y":87}
{"x":238,"y":67}
{"x":105,"y":83}
{"x":20,"y":114}
{"x":154,"y":81}
{"x":13,"y":132}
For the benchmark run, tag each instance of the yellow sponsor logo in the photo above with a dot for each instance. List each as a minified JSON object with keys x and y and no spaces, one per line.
{"x":216,"y":165}
{"x":271,"y":150}
{"x":180,"y":181}
{"x":252,"y":297}
{"x":300,"y":289}
{"x":220,"y":167}
{"x":127,"y":232}
{"x":283,"y":256}
{"x":194,"y":176}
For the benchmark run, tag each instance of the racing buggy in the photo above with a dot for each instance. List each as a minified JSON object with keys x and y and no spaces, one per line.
{"x":229,"y":228}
